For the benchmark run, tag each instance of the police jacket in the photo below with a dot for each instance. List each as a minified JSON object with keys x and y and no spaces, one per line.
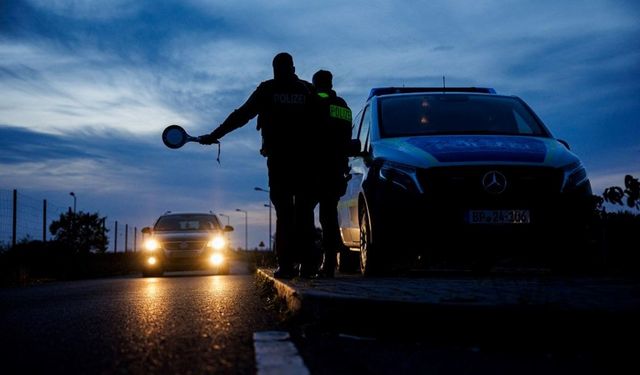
{"x":287,"y":110}
{"x":335,"y":133}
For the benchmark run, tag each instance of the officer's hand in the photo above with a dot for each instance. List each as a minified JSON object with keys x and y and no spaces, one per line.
{"x":208,"y":139}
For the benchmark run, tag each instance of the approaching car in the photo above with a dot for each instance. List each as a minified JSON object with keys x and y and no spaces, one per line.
{"x":438,"y":167}
{"x":185,"y":241}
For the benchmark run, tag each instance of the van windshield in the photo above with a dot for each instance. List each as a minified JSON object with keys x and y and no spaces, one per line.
{"x":434,"y":114}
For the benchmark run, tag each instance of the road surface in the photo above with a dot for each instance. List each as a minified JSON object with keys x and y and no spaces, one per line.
{"x":196,"y":323}
{"x":181,"y":323}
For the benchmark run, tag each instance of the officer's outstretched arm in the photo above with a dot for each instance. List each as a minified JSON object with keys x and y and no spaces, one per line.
{"x":235,"y":120}
{"x":240,"y":116}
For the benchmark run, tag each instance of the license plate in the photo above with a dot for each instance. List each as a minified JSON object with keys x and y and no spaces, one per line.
{"x":499,"y":217}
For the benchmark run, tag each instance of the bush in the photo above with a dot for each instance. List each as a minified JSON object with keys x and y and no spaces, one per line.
{"x":33,"y":261}
{"x":619,"y":237}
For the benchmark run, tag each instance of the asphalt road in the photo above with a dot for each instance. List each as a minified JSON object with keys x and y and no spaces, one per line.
{"x":181,"y":323}
{"x":195,"y":323}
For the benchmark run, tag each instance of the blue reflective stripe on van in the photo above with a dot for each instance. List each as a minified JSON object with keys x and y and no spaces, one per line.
{"x":482,"y":148}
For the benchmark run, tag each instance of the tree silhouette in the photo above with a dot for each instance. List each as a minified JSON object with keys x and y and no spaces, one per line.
{"x":630,"y":195}
{"x":82,"y":232}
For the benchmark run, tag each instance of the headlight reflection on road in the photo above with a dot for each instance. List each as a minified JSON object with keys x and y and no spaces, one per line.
{"x":150,"y":307}
{"x":219,"y":286}
{"x":151,"y":289}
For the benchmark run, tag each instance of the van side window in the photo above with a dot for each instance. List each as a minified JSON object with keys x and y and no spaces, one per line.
{"x":363,"y":134}
{"x":355,"y":127}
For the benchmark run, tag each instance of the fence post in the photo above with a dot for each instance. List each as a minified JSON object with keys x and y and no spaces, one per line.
{"x":44,"y":220}
{"x":126,"y":237}
{"x":15,"y":217}
{"x":115,"y":238}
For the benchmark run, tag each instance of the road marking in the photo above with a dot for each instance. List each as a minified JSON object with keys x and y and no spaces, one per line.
{"x":276,"y":354}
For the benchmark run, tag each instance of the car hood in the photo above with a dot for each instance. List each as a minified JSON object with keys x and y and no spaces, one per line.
{"x":433,"y":151}
{"x":183,"y":236}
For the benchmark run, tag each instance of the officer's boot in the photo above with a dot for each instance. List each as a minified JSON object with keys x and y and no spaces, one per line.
{"x":329,"y":266}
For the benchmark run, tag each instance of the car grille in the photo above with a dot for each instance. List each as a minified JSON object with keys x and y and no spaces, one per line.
{"x":463,"y":186}
{"x":184,"y":245}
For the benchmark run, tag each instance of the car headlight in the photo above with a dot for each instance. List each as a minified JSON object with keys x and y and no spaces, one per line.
{"x":151,"y":245}
{"x":574,"y":176}
{"x":403,"y":176}
{"x":217,"y":243}
{"x":216,"y":259}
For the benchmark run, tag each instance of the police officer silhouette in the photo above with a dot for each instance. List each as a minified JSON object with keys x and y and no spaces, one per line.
{"x":335,"y":135}
{"x":287,"y":112}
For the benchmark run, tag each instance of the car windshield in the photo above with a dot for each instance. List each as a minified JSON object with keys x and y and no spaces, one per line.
{"x":431,"y":114}
{"x":186,"y":223}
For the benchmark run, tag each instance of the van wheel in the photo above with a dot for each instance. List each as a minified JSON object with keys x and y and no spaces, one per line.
{"x":370,"y":257}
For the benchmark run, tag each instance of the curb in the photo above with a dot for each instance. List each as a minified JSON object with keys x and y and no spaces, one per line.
{"x":291,"y":297}
{"x":313,"y":300}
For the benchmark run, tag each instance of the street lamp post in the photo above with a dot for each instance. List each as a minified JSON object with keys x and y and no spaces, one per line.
{"x":269,"y":205}
{"x":74,"y":201}
{"x":246,"y":228}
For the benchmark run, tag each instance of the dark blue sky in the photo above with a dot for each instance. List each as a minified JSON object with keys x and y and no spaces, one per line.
{"x":88,"y":86}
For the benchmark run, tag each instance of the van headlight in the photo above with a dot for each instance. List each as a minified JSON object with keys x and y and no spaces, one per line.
{"x":401,"y":175}
{"x":217,"y":243}
{"x":151,"y":245}
{"x":575,"y":175}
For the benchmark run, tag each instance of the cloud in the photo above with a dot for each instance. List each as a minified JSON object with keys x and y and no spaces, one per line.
{"x":50,"y":91}
{"x":21,"y":145}
{"x":90,"y":9}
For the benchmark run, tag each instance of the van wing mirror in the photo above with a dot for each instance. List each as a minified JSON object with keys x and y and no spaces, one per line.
{"x":146,"y":230}
{"x":564,"y":143}
{"x":355,"y":148}
{"x":228,"y":228}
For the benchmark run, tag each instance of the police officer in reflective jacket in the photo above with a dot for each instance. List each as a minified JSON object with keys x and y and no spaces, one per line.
{"x":287,"y":113}
{"x":335,"y":136}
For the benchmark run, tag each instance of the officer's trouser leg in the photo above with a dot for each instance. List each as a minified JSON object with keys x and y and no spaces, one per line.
{"x":285,"y":231}
{"x":305,"y":230}
{"x":330,"y":230}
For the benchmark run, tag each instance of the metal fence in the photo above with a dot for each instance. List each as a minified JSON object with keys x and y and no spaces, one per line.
{"x":27,"y":218}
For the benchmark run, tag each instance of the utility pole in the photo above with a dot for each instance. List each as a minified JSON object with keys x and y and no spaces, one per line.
{"x":44,"y":220}
{"x":15,"y":218}
{"x":246,"y":228}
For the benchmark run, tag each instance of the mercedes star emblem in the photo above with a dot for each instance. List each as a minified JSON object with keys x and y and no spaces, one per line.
{"x":494,"y":182}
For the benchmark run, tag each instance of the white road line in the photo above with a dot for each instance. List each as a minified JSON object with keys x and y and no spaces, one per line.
{"x":276,"y":354}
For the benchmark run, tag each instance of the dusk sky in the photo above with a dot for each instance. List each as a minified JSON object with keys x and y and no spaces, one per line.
{"x":88,"y":86}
